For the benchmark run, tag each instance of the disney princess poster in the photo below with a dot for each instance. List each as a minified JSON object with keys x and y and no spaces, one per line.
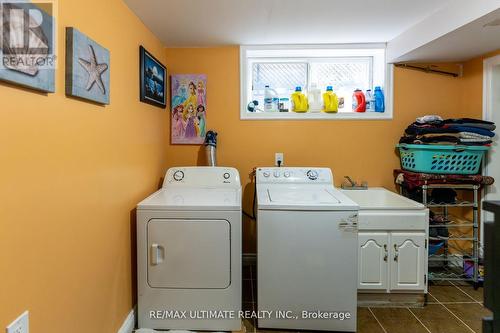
{"x":189,"y":108}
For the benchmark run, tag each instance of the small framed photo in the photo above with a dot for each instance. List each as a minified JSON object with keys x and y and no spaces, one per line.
{"x":153,"y":77}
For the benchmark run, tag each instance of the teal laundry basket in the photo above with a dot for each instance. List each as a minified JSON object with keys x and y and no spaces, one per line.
{"x":445,"y":159}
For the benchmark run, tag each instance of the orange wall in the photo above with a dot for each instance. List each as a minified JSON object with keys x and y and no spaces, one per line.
{"x":361,"y":149}
{"x":71,"y":173}
{"x":472,"y":85}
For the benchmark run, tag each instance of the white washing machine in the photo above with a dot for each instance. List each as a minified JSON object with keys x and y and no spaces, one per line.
{"x":189,"y":251}
{"x":306,"y":251}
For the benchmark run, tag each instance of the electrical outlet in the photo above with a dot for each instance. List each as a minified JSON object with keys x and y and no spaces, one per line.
{"x":20,"y":325}
{"x":279,"y":159}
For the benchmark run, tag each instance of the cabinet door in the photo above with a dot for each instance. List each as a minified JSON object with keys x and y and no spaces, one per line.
{"x":407,"y":261}
{"x":372,"y":260}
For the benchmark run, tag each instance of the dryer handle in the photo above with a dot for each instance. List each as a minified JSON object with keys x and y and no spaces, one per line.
{"x":157,"y":254}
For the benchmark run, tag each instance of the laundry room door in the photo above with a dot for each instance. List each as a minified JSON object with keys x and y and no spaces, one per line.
{"x":491,"y":112}
{"x":189,"y":254}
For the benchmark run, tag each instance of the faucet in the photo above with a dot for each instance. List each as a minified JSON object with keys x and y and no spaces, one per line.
{"x":352,"y":185}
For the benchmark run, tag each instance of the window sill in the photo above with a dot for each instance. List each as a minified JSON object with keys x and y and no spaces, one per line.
{"x":315,"y":116}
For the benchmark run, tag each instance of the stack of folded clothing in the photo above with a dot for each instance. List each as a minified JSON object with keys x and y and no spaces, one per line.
{"x":433,"y":129}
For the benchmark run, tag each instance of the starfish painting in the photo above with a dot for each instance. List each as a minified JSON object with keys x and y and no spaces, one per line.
{"x":94,"y":70}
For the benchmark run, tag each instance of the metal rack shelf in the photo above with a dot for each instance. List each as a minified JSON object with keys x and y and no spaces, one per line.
{"x":449,"y":277}
{"x":451,"y":225}
{"x":458,"y":204}
{"x":452,"y":263}
{"x":450,"y":257}
{"x":450,"y":273}
{"x":452,"y":238}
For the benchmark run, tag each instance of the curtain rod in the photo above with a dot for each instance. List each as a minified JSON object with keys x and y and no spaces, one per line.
{"x":426,"y":69}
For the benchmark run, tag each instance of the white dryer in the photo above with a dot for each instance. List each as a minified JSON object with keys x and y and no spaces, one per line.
{"x":306,"y":251}
{"x":189,"y":251}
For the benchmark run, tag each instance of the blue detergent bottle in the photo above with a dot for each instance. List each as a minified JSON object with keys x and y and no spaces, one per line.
{"x":379,"y":100}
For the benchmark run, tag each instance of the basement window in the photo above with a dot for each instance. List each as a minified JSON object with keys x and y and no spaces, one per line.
{"x":283,"y":68}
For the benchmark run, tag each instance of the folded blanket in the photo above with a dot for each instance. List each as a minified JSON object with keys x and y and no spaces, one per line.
{"x":431,"y":135}
{"x":470,"y":122}
{"x":461,"y":135}
{"x":443,"y":139}
{"x":413,"y":179}
{"x":414,"y":129}
{"x":477,"y":130}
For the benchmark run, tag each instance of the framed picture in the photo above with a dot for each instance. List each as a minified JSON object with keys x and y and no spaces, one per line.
{"x":87,"y":68}
{"x":189,"y":108}
{"x":28,"y":62}
{"x":153,"y":76}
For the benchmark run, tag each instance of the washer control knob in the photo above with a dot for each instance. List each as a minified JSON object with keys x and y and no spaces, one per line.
{"x":266,"y":174}
{"x":312,"y":174}
{"x":286,"y":174}
{"x":226,"y":175}
{"x":276,"y":174}
{"x":178,"y":175}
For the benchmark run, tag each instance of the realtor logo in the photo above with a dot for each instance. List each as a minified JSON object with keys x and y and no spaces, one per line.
{"x":28,"y":36}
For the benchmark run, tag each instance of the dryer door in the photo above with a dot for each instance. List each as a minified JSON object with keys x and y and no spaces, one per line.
{"x":189,"y":254}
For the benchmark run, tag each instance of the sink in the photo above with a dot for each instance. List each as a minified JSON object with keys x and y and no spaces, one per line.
{"x":379,"y":198}
{"x":383,"y":210}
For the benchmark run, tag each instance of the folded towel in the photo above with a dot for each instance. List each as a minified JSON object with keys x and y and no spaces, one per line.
{"x":475,"y":140}
{"x":469,"y":135}
{"x":429,"y":119}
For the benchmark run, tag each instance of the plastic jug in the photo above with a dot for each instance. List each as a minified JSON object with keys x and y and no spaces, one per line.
{"x":271,"y":100}
{"x":284,"y":104}
{"x":379,"y":100}
{"x":358,"y":101}
{"x":370,"y":100}
{"x":330,"y":101}
{"x":299,"y":101}
{"x":315,"y":102}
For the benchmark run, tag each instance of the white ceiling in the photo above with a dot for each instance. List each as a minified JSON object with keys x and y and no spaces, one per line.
{"x":192,"y":23}
{"x":470,"y":40}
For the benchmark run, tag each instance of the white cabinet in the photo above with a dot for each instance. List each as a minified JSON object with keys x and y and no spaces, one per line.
{"x":372,"y":260}
{"x":408,"y":261}
{"x":392,"y":261}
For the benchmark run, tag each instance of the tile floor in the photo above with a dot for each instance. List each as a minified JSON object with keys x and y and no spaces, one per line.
{"x":451,"y":308}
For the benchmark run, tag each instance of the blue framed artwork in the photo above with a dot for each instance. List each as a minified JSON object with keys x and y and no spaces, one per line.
{"x":87,"y":68}
{"x":153,"y":78}
{"x":29,"y":62}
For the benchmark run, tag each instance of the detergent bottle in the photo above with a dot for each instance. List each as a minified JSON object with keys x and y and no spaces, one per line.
{"x":379,"y":100}
{"x":370,"y":100}
{"x":299,"y":101}
{"x":314,"y":98}
{"x":330,"y":101}
{"x":271,"y":100}
{"x":358,"y":101}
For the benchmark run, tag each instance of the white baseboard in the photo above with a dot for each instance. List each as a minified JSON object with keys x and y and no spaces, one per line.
{"x":129,"y":323}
